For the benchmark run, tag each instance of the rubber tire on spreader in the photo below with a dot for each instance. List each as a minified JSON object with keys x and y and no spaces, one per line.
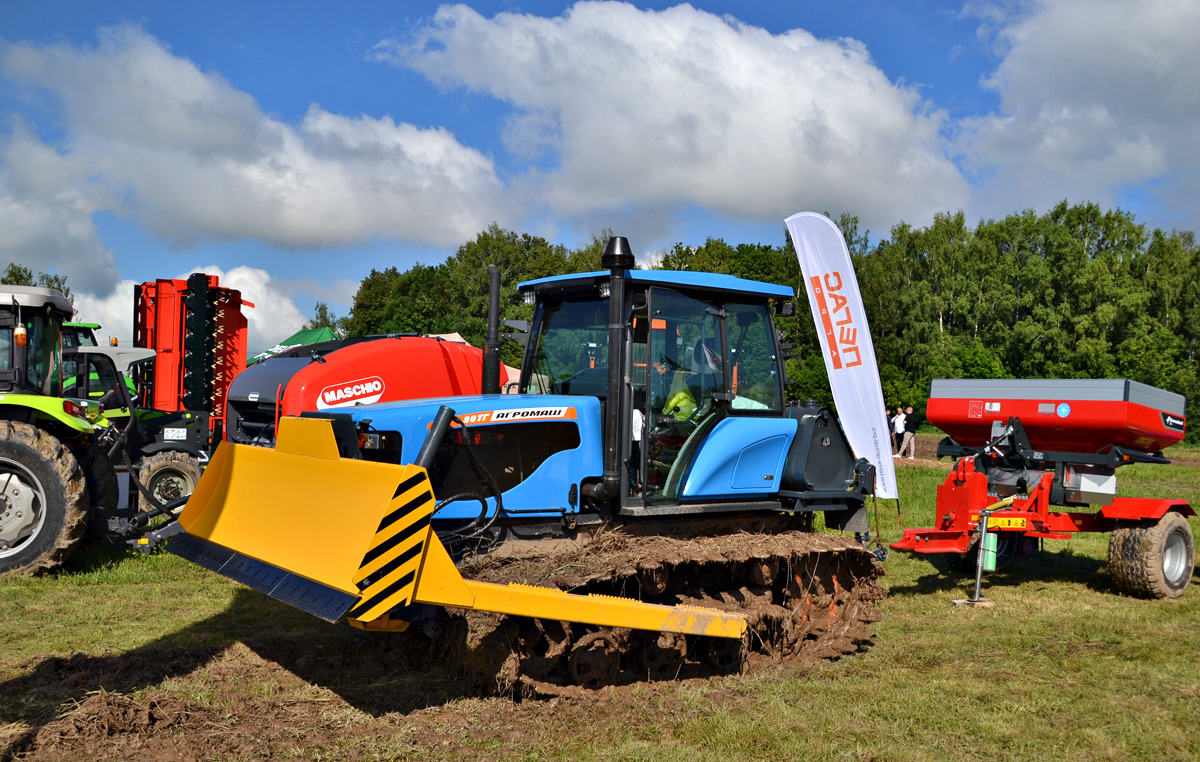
{"x":1007,"y":548}
{"x":1152,"y":559}
{"x":169,"y":463}
{"x":64,"y":496}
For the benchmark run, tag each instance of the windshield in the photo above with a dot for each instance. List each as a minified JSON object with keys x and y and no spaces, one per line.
{"x":74,"y":336}
{"x":102,"y":376}
{"x":754,"y":369}
{"x":42,"y":354}
{"x":572,"y":348}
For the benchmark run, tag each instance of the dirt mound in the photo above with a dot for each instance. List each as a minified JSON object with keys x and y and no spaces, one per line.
{"x":106,"y":714}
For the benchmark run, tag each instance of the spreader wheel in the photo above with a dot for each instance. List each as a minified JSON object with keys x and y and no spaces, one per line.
{"x":1009,"y":545}
{"x":1153,"y":559}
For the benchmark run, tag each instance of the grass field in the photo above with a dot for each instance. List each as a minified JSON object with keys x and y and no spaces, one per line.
{"x":1063,"y":667}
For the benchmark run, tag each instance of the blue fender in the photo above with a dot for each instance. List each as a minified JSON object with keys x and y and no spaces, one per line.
{"x":743,"y":456}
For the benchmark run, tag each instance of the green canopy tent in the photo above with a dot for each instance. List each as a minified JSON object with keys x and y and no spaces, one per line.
{"x":301,"y":338}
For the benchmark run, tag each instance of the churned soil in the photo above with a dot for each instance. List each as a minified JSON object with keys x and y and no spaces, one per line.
{"x":436,"y":690}
{"x":241,"y":706}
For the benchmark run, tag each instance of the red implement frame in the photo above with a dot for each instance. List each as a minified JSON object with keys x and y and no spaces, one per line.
{"x":158,"y":323}
{"x":965,"y":493}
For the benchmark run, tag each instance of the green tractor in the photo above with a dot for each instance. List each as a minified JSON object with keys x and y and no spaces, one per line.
{"x":55,"y":472}
{"x":165,"y":451}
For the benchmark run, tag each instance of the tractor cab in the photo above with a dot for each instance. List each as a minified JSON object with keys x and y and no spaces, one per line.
{"x":699,"y":352}
{"x":31,"y":321}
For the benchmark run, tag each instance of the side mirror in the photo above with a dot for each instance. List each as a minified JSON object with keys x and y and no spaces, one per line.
{"x":785,"y":309}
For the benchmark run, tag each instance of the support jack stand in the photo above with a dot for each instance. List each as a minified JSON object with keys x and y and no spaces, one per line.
{"x":986,"y":558}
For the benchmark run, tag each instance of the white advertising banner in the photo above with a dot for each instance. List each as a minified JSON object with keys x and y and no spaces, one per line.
{"x":833,"y":296}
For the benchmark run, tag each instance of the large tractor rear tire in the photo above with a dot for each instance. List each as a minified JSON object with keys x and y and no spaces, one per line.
{"x":1153,"y":559}
{"x":43,"y":499}
{"x":169,"y":475}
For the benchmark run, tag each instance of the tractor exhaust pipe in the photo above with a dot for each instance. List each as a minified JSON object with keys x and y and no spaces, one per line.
{"x":617,"y":258}
{"x":491,"y":347}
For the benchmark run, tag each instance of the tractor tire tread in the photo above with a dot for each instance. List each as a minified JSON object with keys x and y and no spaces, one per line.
{"x":176,"y":459}
{"x":74,"y":486}
{"x":1135,"y":556}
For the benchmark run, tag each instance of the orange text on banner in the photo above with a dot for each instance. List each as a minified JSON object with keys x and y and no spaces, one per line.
{"x":845,"y":339}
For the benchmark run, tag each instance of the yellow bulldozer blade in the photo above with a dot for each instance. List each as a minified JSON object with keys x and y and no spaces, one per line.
{"x":340,"y":537}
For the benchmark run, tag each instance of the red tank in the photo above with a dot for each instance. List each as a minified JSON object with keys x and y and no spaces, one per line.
{"x":342,"y":374}
{"x":385,"y":370}
{"x":1060,"y":415}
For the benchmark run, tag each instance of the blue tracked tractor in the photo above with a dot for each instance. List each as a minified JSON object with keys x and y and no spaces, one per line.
{"x":645,"y":503}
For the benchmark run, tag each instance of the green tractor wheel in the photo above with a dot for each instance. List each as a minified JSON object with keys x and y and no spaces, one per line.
{"x":43,"y":499}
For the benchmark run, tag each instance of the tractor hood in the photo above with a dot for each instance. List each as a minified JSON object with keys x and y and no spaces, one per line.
{"x":527,"y":441}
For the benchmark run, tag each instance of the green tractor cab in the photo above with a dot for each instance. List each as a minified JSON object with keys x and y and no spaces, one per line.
{"x":53,"y":474}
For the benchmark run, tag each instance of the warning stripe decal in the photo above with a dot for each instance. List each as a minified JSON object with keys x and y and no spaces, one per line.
{"x":387,"y":575}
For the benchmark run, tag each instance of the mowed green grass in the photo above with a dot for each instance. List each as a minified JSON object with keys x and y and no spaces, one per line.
{"x":1062,"y":667}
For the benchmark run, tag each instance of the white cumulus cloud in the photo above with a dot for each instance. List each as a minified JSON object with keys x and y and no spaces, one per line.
{"x":149,"y":135}
{"x":274,"y":316}
{"x":45,"y":214}
{"x":113,"y":311}
{"x":1097,"y":96}
{"x":663,"y":109}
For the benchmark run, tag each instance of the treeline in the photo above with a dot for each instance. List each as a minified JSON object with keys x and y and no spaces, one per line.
{"x":1077,"y":292}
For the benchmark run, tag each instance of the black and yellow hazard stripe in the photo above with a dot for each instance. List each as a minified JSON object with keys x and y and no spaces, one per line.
{"x":387,"y":576}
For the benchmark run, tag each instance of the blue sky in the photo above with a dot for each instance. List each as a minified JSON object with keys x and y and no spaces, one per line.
{"x":294,"y":147}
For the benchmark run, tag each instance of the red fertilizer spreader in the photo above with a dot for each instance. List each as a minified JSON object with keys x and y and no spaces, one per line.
{"x":1053,"y":447}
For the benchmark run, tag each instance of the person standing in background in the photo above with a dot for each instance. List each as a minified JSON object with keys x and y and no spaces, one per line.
{"x":910,"y":433}
{"x":898,"y":429}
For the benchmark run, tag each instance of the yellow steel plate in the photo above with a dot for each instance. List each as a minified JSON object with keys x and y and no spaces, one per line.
{"x":298,"y":507}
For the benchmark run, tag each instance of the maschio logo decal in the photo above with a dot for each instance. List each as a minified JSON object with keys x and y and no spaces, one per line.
{"x":362,"y":391}
{"x":518,"y":414}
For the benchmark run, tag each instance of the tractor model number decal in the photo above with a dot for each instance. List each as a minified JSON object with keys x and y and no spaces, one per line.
{"x":518,"y":414}
{"x":1002,"y":522}
{"x":362,"y":391}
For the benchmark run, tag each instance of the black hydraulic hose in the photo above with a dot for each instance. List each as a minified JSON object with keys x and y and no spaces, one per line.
{"x":479,"y":524}
{"x":486,"y":475}
{"x":428,"y":453}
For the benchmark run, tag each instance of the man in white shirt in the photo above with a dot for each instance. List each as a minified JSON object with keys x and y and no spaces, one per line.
{"x":898,"y":428}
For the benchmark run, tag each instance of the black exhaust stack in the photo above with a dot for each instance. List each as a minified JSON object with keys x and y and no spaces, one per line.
{"x":491,"y":347}
{"x":617,"y":258}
